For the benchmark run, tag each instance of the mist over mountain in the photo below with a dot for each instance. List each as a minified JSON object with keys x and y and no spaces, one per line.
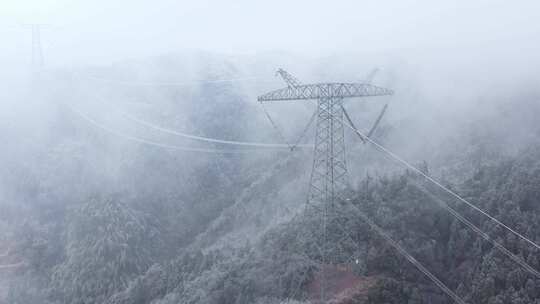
{"x":102,"y":203}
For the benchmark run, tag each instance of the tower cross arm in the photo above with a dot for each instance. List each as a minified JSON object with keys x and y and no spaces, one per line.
{"x":324,"y":90}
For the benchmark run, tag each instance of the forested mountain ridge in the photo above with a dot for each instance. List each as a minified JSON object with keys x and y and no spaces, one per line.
{"x":474,"y":268}
{"x":267,"y":270}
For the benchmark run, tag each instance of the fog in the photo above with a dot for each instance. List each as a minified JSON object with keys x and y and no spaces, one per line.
{"x":106,"y":31}
{"x":102,"y":134}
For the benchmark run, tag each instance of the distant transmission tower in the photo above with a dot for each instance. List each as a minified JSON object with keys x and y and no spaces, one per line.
{"x":37,"y":50}
{"x":329,"y":172}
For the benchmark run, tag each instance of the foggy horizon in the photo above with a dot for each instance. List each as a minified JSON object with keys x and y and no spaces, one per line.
{"x":105,"y":31}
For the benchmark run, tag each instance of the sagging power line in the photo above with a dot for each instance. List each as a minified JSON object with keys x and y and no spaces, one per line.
{"x":133,"y":83}
{"x":207,"y":139}
{"x":478,"y":231}
{"x":162,"y":129}
{"x":400,"y":160}
{"x":405,"y":254}
{"x":453,"y":212}
{"x":137,"y":139}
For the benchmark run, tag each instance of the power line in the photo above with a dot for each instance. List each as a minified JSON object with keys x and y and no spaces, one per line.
{"x":276,"y":127}
{"x":171,"y":84}
{"x":306,"y":128}
{"x":408,"y":256}
{"x":157,"y":144}
{"x":206,"y":139}
{"x":11,"y":266}
{"x":446,"y":189}
{"x":479,"y":231}
{"x":386,"y":236}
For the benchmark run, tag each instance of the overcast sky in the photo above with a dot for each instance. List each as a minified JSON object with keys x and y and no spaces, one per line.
{"x":102,"y":31}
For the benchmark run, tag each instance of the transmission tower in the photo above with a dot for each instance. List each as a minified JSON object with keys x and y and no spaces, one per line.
{"x":329,"y":173}
{"x":37,"y":50}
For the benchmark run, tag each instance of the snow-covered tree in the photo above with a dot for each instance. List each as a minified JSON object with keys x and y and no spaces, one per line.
{"x":108,"y":244}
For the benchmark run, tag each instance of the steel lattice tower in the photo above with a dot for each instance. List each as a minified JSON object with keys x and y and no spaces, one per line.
{"x":37,"y":52}
{"x":329,"y":173}
{"x":37,"y":49}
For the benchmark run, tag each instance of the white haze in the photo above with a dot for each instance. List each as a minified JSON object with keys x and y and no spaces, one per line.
{"x":102,"y":31}
{"x":442,"y":59}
